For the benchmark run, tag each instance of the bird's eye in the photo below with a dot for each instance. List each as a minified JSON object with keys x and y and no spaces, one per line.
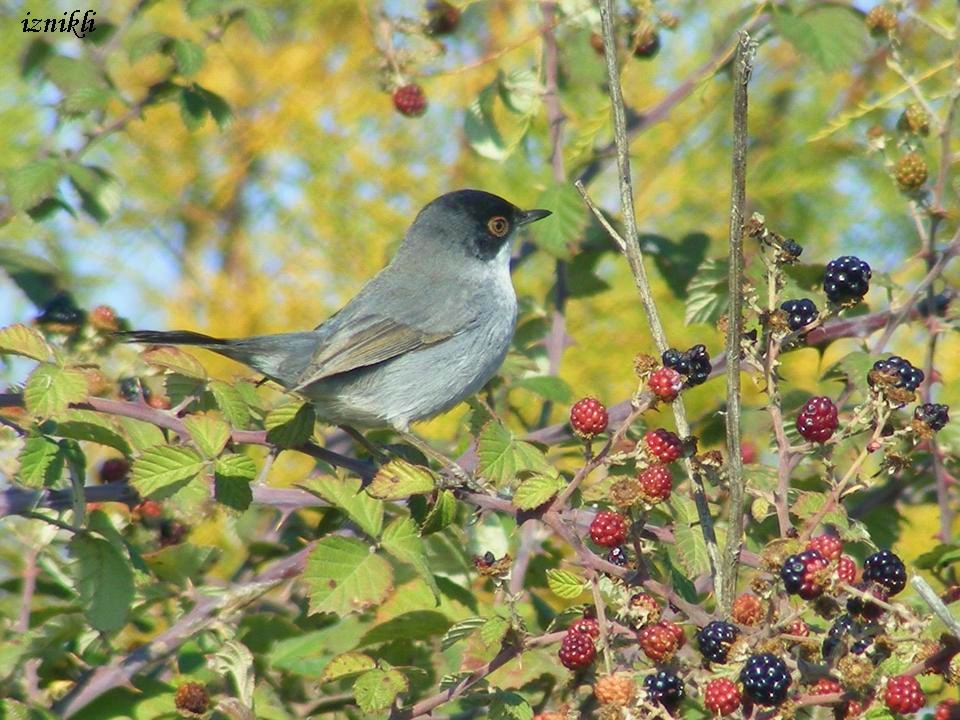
{"x":498,"y":226}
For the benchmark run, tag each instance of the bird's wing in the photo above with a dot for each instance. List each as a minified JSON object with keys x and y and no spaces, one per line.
{"x":367,"y":343}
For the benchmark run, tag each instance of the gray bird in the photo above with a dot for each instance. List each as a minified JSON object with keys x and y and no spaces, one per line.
{"x":427,"y":331}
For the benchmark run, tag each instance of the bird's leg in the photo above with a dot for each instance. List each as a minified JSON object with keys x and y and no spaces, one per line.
{"x":376,"y":452}
{"x":458,"y":473}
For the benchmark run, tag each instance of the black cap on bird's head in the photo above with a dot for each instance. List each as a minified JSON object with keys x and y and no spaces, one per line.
{"x":481,"y":221}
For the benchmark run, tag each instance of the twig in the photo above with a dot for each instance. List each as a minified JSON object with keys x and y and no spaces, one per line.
{"x":743,"y":67}
{"x":936,"y":604}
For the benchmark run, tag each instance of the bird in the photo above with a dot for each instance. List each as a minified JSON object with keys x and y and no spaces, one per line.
{"x":426,"y":332}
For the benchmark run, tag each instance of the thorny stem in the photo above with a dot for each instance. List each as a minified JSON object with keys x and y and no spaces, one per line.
{"x":936,"y":604}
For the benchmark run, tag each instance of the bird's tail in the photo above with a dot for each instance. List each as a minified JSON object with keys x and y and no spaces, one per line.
{"x":175,"y":337}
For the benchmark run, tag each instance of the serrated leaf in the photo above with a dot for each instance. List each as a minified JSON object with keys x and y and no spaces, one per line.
{"x":707,"y":293}
{"x":684,"y":509}
{"x":290,"y":425}
{"x":509,"y":706}
{"x":832,"y":35}
{"x":853,"y":366}
{"x":375,"y":691}
{"x":460,"y":631}
{"x":208,"y":433}
{"x":348,"y":495}
{"x":141,"y":434}
{"x":399,"y":479}
{"x":32,"y":183}
{"x":87,"y":99}
{"x":565,"y":584}
{"x":188,"y":55}
{"x":691,"y":549}
{"x":104,"y":581}
{"x":232,"y":475}
{"x":24,"y":341}
{"x":230,"y":401}
{"x":548,"y":387}
{"x":161,"y":471}
{"x":535,"y":491}
{"x":418,"y":625}
{"x":345,"y":665}
{"x":560,"y":233}
{"x":92,"y":427}
{"x":173,"y":358}
{"x":41,"y":462}
{"x":681,"y":583}
{"x":808,"y":504}
{"x":502,"y":457}
{"x":402,"y":540}
{"x":441,"y":513}
{"x":480,"y":127}
{"x":50,"y":389}
{"x":235,"y":659}
{"x":342,"y":576}
{"x":493,"y":631}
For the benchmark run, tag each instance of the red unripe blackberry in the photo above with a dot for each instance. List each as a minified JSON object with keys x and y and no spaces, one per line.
{"x":608,"y":529}
{"x":114,"y":470}
{"x":410,"y":100}
{"x":801,"y":574}
{"x":948,"y":709}
{"x":765,"y":679}
{"x":846,"y":279}
{"x":830,"y":546}
{"x":615,"y":690}
{"x":663,"y":445}
{"x":588,"y":417}
{"x":586,"y":626}
{"x":847,"y":569}
{"x":192,"y":698}
{"x":826,"y":686}
{"x":577,"y":651}
{"x":659,"y":641}
{"x":797,"y":627}
{"x":886,"y":568}
{"x":715,"y":639}
{"x":747,"y":609}
{"x":903,"y":694}
{"x":817,"y":419}
{"x":665,"y":383}
{"x":656,"y":483}
{"x":721,"y":696}
{"x":442,"y":17}
{"x":104,"y":318}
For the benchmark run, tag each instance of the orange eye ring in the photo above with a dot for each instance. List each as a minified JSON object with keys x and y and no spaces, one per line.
{"x":498,"y":226}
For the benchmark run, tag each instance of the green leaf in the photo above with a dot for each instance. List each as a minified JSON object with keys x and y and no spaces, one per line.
{"x":220,"y":109}
{"x":161,"y":471}
{"x":708,"y":293}
{"x":24,"y":341}
{"x":535,"y":491}
{"x":346,"y":665}
{"x":259,"y":22}
{"x":399,"y":479}
{"x":232,"y":475}
{"x":832,"y":35}
{"x":940,"y":556}
{"x":348,"y":495}
{"x":188,"y":55}
{"x":175,"y":359}
{"x":230,"y":401}
{"x":72,"y":74}
{"x":677,"y":261}
{"x":147,"y":44}
{"x":37,"y":277}
{"x":418,"y":625}
{"x":502,"y":456}
{"x":375,"y":691}
{"x":402,"y":540}
{"x":41,"y":462}
{"x":520,"y":91}
{"x":50,"y":389}
{"x":290,"y":425}
{"x":343,"y":576}
{"x":235,"y":660}
{"x":566,"y":584}
{"x":104,"y":581}
{"x":853,"y":366}
{"x":439,"y":515}
{"x":681,"y":583}
{"x":480,"y":127}
{"x":141,"y":434}
{"x":548,"y":387}
{"x":32,"y":183}
{"x":493,"y":631}
{"x":180,"y":564}
{"x":209,"y":434}
{"x":203,"y":8}
{"x":460,"y":631}
{"x":92,"y":427}
{"x":34,"y":58}
{"x":560,"y":233}
{"x":87,"y":99}
{"x":193,"y":108}
{"x":509,"y":706}
{"x":691,"y":549}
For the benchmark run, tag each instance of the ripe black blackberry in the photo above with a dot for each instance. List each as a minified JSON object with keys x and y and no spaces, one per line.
{"x":715,"y":639}
{"x":934,"y":415}
{"x":800,"y":313}
{"x":693,"y":364}
{"x":618,"y":556}
{"x":664,"y":688}
{"x":765,"y":679}
{"x":903,"y":374}
{"x":799,"y":574}
{"x":846,"y":632}
{"x":846,"y":279}
{"x":863,"y":608}
{"x":886,"y":568}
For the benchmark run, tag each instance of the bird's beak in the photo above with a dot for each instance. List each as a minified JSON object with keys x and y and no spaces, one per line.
{"x":529,"y":216}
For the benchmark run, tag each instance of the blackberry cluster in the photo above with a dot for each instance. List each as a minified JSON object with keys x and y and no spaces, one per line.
{"x":664,"y":688}
{"x":904,"y":374}
{"x":800,"y":313}
{"x":863,"y":608}
{"x":765,"y":679}
{"x":887,"y":569}
{"x":715,"y":640}
{"x":934,"y":415}
{"x":846,"y":278}
{"x":852,"y":634}
{"x":799,"y":574}
{"x":694,"y":364}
